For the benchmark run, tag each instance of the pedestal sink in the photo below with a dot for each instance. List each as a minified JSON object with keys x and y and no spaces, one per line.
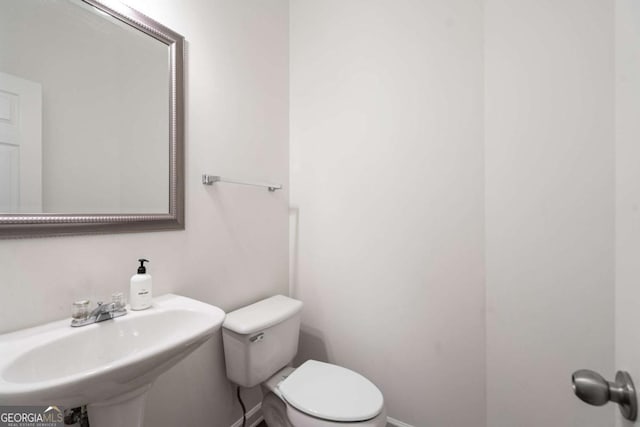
{"x":108,"y":366}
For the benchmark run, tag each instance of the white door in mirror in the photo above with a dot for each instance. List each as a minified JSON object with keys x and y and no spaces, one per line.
{"x":20,"y":145}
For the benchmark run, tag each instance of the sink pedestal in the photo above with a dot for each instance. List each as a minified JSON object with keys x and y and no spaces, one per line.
{"x":126,"y":410}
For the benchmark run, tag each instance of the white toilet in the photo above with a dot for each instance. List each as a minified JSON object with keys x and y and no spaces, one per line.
{"x":261,"y":339}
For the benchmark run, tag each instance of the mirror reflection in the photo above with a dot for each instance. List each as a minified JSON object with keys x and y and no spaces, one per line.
{"x":84,"y":112}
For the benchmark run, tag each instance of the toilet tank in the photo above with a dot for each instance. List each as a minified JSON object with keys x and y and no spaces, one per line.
{"x":260,"y":339}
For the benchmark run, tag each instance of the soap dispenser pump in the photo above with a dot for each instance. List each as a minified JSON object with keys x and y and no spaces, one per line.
{"x":140,"y":291}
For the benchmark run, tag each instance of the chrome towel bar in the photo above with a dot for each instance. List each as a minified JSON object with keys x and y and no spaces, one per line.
{"x":210,"y":179}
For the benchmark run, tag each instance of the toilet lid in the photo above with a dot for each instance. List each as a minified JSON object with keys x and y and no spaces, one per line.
{"x":331,"y":392}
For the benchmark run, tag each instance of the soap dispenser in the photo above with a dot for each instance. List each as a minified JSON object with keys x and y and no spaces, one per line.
{"x":140,"y":290}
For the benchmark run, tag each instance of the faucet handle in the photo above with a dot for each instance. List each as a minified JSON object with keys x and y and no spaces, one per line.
{"x":80,"y":309}
{"x":117,"y":299}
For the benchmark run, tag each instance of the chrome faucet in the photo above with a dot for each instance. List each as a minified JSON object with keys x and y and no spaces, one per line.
{"x":82,"y":317}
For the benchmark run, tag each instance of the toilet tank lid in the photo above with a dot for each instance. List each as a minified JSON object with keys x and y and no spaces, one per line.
{"x":262,"y":314}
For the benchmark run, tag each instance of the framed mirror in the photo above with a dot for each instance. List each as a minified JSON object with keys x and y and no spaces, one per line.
{"x":91,"y":120}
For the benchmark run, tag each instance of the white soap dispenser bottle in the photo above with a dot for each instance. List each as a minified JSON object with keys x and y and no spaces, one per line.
{"x":140,"y":292}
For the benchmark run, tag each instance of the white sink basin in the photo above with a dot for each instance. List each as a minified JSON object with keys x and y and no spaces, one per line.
{"x":108,"y":365}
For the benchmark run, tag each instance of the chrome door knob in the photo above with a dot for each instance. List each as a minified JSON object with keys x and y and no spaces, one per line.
{"x":590,"y":387}
{"x":593,"y":389}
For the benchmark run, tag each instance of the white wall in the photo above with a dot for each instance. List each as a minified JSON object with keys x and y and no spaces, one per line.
{"x":398,"y":112}
{"x":387,"y":196}
{"x":627,"y":191}
{"x":549,"y":208}
{"x":234,"y":249}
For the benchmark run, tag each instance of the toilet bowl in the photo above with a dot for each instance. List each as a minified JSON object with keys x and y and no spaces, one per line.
{"x":260,"y":340}
{"x":321,"y":395}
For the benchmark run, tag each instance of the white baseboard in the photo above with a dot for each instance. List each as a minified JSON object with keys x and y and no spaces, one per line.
{"x":395,"y":423}
{"x":255,"y":411}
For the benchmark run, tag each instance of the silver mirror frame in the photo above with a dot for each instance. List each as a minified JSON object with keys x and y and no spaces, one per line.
{"x":41,"y":225}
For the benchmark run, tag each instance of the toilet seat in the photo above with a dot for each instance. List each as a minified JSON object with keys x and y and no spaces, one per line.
{"x":300,"y":419}
{"x":332,"y":393}
{"x":278,"y":413}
